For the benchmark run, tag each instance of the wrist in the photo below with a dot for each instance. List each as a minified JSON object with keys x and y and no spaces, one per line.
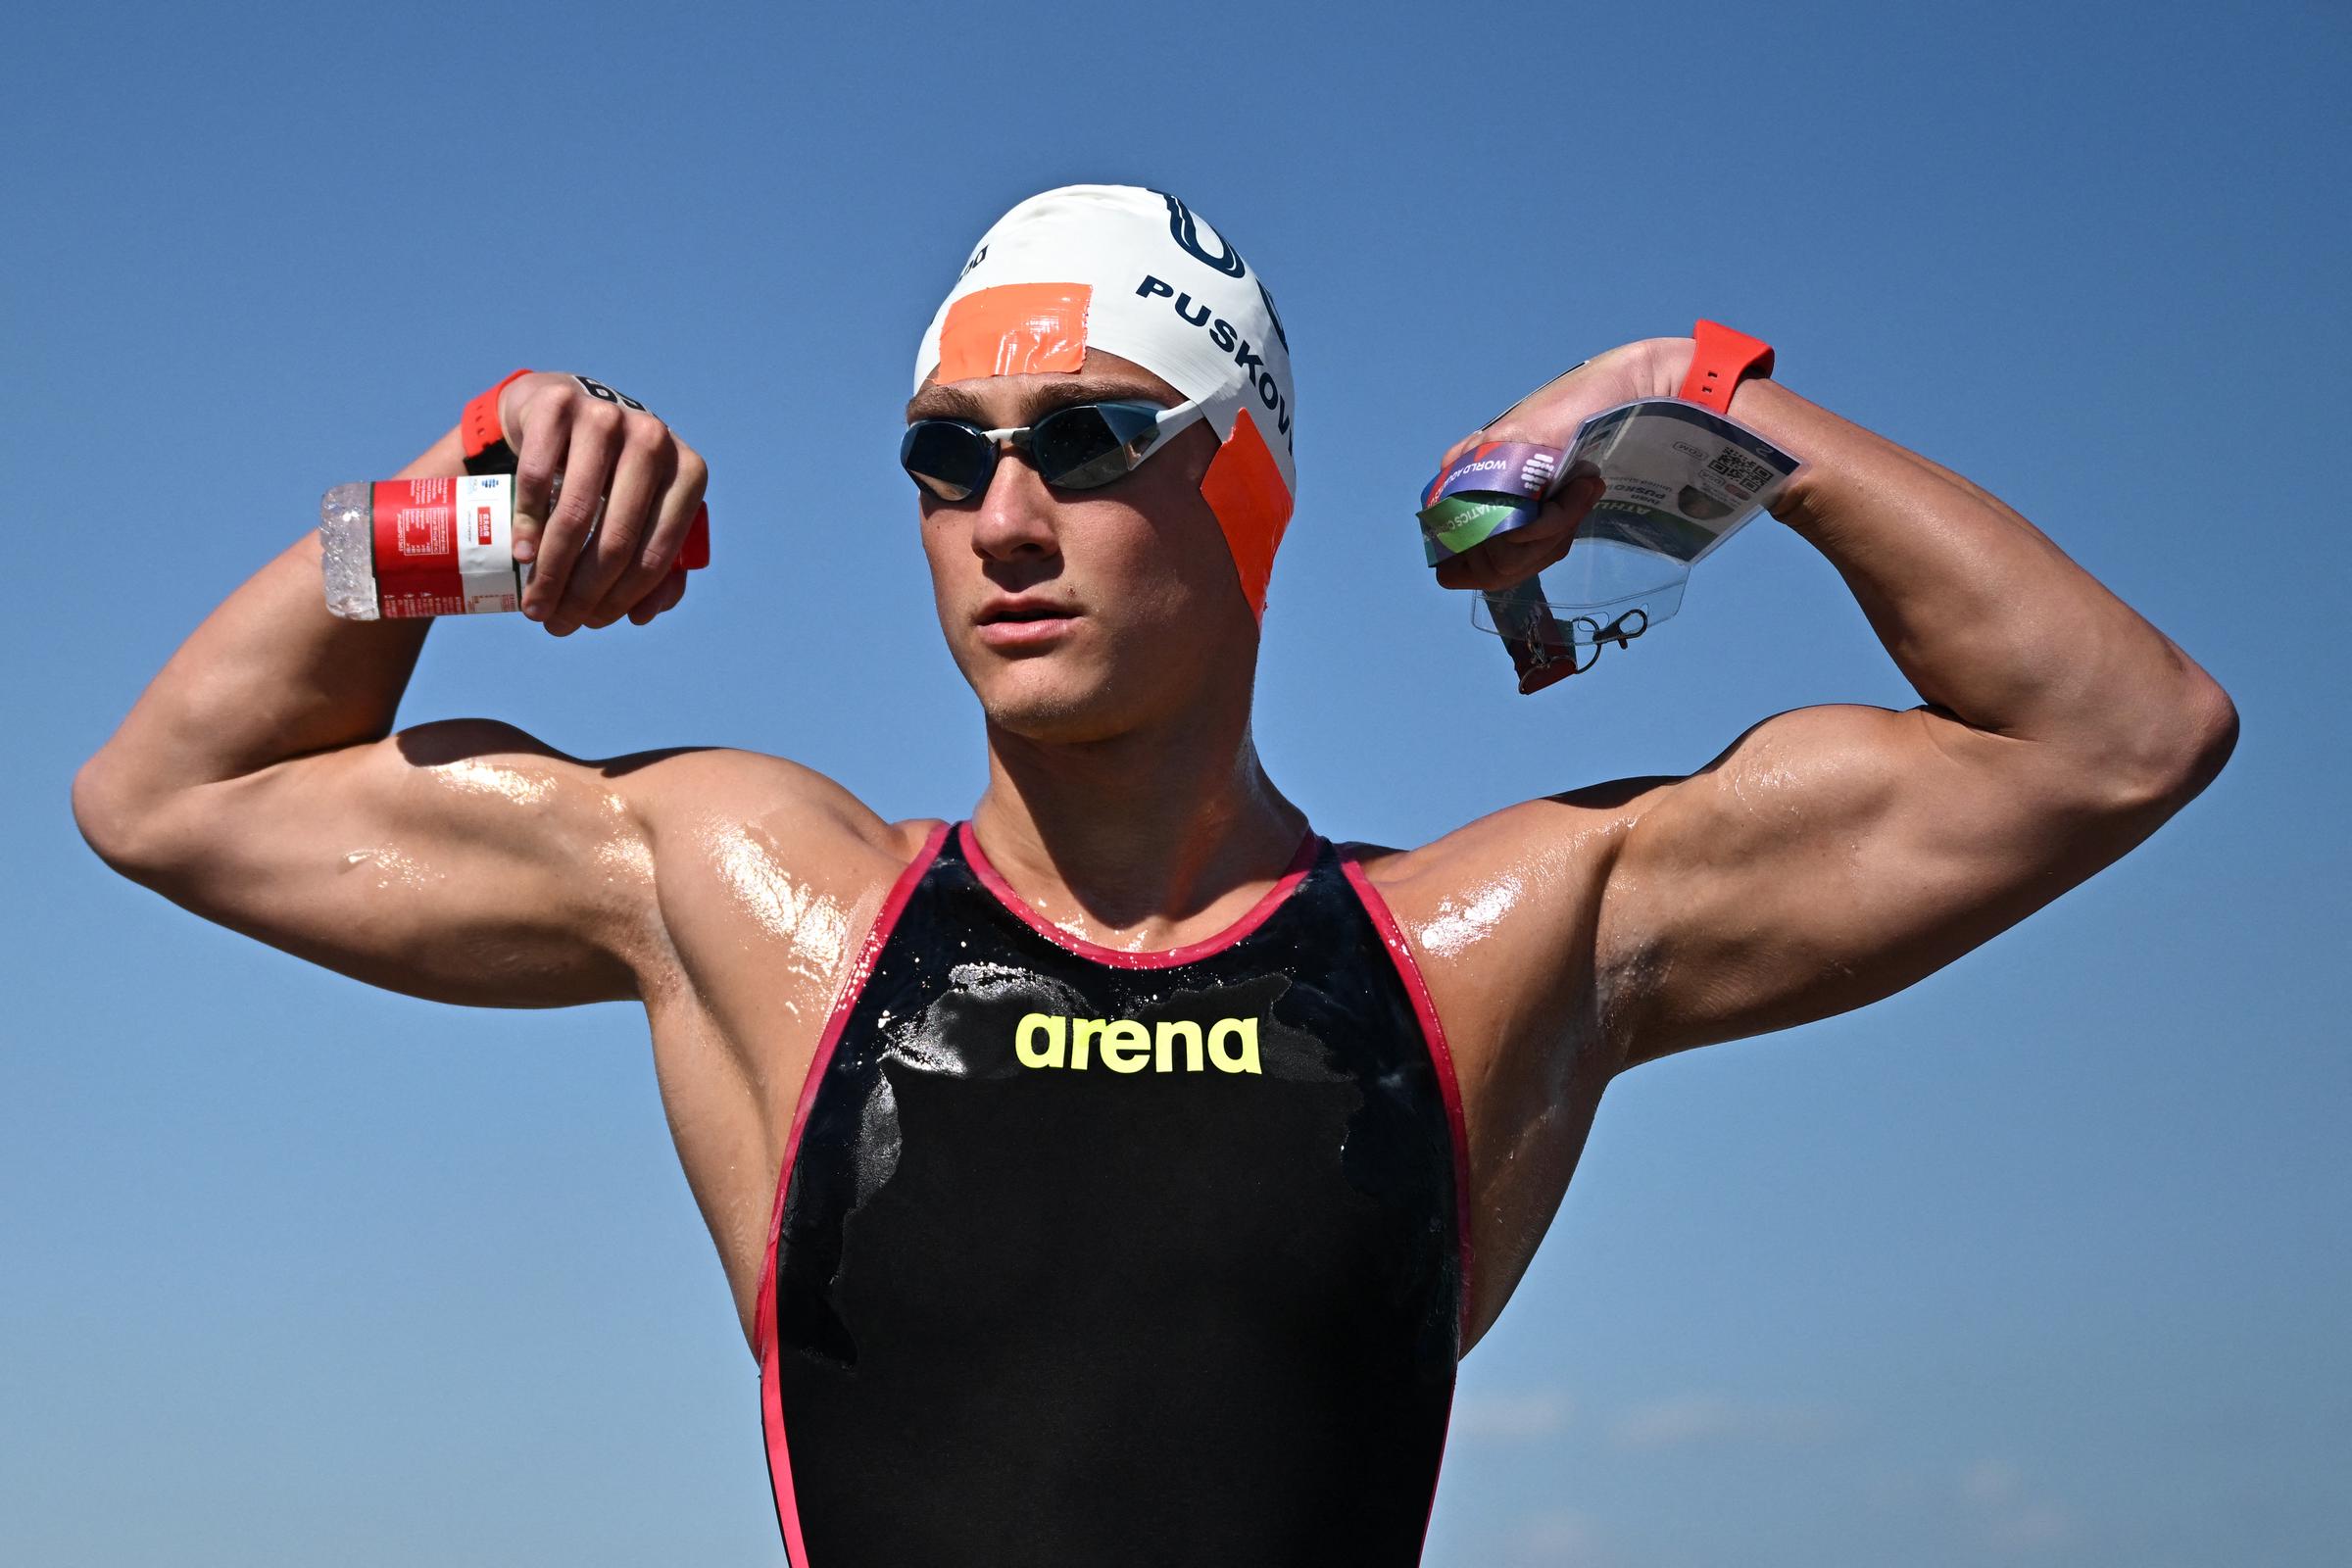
{"x":1666,"y":367}
{"x":515,"y":396}
{"x":1666,"y":363}
{"x":483,"y":428}
{"x":1755,"y":401}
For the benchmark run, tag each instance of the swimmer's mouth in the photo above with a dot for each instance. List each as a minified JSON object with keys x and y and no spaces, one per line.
{"x":1018,"y":611}
{"x":1021,"y":625}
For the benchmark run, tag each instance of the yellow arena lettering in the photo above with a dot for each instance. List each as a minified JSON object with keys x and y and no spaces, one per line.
{"x":1243,"y":1061}
{"x":1126,"y":1047}
{"x":1169,"y":1033}
{"x":1054,"y":1028}
{"x":1129,"y":1045}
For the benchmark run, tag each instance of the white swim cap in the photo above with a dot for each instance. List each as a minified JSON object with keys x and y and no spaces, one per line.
{"x":1134,"y":272}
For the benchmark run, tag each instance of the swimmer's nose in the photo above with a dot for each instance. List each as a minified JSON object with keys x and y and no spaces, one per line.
{"x":1015,"y":516}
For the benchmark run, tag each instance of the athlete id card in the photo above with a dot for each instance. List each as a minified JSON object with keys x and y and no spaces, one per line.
{"x":1677,"y":480}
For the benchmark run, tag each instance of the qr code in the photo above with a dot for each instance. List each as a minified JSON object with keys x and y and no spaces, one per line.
{"x":1744,"y":473}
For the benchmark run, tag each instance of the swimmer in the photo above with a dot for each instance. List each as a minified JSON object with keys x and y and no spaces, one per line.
{"x":1117,"y":1174}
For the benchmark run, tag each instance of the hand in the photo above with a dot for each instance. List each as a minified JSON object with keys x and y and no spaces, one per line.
{"x":612,"y":457}
{"x":1550,"y":414}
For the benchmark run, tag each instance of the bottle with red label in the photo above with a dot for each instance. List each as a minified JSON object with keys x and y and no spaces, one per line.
{"x":399,"y":549}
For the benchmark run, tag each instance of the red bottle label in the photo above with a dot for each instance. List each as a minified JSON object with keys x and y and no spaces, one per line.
{"x":445,"y":547}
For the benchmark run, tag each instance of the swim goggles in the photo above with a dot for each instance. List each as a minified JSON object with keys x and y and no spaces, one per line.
{"x":1081,"y":447}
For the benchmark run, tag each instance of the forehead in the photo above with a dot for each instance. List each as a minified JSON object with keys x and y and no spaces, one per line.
{"x":1012,"y":399}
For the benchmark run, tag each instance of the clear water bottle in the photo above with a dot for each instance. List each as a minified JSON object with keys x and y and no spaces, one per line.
{"x":399,"y":549}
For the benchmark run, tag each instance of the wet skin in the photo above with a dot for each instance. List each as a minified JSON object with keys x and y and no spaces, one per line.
{"x":1832,"y":855}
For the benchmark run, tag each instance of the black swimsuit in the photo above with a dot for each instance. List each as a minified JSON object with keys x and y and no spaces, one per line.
{"x":1086,"y":1257}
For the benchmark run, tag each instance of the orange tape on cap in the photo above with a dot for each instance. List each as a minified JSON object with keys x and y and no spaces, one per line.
{"x":1014,"y":329}
{"x":1243,"y":487}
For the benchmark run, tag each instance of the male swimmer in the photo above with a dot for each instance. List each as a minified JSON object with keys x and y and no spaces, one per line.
{"x":1116,"y":1176}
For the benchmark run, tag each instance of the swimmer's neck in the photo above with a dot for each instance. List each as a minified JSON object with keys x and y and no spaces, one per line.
{"x":1140,"y":832}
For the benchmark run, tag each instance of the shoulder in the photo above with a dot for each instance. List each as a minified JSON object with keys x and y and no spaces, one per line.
{"x":1500,"y":914}
{"x":1550,"y":854}
{"x":687,"y":792}
{"x":738,"y":836}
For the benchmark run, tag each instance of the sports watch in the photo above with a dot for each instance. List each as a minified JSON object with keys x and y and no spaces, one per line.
{"x":483,"y":435}
{"x":1722,"y":360}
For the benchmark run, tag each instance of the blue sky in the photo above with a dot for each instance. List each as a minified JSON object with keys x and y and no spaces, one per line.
{"x":2043,"y":1262}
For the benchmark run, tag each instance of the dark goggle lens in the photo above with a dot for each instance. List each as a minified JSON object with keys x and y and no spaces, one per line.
{"x":1103,"y":442}
{"x":950,"y":460}
{"x":1070,"y":444}
{"x":1078,"y":448}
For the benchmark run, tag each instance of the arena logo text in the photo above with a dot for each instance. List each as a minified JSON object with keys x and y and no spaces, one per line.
{"x":1051,"y":1040}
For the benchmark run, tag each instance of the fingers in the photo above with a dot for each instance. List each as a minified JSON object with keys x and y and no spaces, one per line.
{"x":1500,"y":562}
{"x":587,"y":470}
{"x":544,"y":440}
{"x":1503,"y":427}
{"x":1521,"y":554}
{"x":646,"y":458}
{"x":652,"y":564}
{"x":1540,"y":415}
{"x":672,"y":588}
{"x":1454,"y":452}
{"x":605,"y":496}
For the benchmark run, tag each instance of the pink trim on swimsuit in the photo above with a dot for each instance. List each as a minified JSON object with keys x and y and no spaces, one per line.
{"x":1434,"y":1033}
{"x":1120,"y":958}
{"x":771,"y":1395}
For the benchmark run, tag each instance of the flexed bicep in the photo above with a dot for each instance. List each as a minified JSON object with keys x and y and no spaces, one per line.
{"x":463,"y":861}
{"x":1831,"y":856}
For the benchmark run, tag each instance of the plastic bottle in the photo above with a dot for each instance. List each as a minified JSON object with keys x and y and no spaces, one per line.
{"x":399,"y":549}
{"x":347,"y":540}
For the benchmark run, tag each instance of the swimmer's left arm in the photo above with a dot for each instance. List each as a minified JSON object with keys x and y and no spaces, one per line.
{"x":1835,"y":854}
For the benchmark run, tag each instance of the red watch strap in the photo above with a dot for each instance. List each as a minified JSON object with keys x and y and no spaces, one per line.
{"x":1721,"y":361}
{"x":478,"y":427}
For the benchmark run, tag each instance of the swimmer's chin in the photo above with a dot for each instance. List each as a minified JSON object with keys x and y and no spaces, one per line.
{"x":1059,"y":727}
{"x":1027,"y":703}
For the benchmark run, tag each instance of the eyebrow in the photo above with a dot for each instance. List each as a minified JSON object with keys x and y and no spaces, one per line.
{"x":957,"y":403}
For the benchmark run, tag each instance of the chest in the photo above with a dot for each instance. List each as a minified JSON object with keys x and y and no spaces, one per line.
{"x":999,"y":1124}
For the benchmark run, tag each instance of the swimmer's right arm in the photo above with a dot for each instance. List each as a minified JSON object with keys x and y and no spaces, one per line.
{"x":259,"y":783}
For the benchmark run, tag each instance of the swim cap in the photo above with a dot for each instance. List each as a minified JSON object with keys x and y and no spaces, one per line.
{"x":1134,"y":272}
